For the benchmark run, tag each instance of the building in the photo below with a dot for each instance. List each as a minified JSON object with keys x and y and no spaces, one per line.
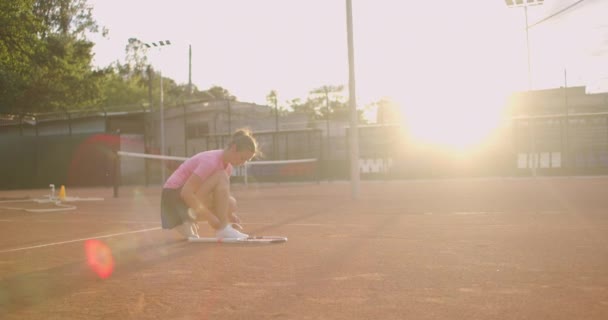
{"x":560,"y":131}
{"x":204,"y":125}
{"x":557,"y":101}
{"x":79,"y":148}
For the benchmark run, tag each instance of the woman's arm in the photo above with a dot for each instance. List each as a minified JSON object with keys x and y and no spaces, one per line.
{"x":193,"y":192}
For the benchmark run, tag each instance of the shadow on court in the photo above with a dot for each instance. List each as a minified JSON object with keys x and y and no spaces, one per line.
{"x":470,"y":249}
{"x":29,"y":289}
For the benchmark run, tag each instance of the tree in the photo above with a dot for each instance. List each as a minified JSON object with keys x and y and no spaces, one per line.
{"x":387,"y":111}
{"x":44,"y":56}
{"x":136,"y":59}
{"x":307,"y":108}
{"x":200,"y":95}
{"x":117,"y":89}
{"x":331,"y":96}
{"x":63,"y":77}
{"x":272,"y":99}
{"x":66,"y":17}
{"x":219,"y":93}
{"x":18,"y":45}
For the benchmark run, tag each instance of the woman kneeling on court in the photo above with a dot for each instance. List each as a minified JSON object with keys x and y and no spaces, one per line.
{"x":200,"y":190}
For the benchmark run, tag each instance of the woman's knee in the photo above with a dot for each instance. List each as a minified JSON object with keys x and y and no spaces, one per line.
{"x":221,"y":182}
{"x":222,"y":178}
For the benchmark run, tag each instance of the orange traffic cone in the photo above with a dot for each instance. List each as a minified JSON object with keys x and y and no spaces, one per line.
{"x":62,"y":193}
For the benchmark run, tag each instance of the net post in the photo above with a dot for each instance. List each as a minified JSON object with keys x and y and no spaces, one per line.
{"x":318,"y":171}
{"x":116,"y":175}
{"x":245,"y":174}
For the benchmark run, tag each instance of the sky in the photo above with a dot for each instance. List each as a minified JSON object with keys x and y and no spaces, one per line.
{"x":428,"y":56}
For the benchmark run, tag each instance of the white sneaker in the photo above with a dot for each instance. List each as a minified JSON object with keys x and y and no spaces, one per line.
{"x":188,"y":229}
{"x":195,"y":228}
{"x":230,"y":233}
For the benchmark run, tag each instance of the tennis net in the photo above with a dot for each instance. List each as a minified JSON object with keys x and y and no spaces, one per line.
{"x":142,"y":168}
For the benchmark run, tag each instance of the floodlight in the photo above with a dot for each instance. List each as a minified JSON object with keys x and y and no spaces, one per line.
{"x":162,"y":109}
{"x":525,"y":4}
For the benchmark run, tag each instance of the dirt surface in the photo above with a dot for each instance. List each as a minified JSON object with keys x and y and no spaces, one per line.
{"x":436,"y":249}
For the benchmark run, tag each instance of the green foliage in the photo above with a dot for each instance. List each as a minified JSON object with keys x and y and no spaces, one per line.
{"x":64,"y":78}
{"x":136,"y":59}
{"x":18,"y":45}
{"x":219,"y":93}
{"x":325,"y":103}
{"x":328,"y":102}
{"x":45,"y":60}
{"x":306,"y":107}
{"x":65,"y":17}
{"x":272,"y":99}
{"x":46,"y":65}
{"x":200,"y":95}
{"x":117,"y":90}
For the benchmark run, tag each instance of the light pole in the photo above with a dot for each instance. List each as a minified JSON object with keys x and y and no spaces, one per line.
{"x":354,"y":132}
{"x":525,"y":4}
{"x":159,"y":45}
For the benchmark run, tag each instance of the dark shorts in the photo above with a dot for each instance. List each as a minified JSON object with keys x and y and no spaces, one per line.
{"x":173,"y":210}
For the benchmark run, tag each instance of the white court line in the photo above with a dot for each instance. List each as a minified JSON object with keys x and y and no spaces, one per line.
{"x":158,"y":228}
{"x":86,"y":221}
{"x":246,"y":223}
{"x":78,"y":240}
{"x":157,"y":222}
{"x":135,"y":222}
{"x":308,"y":224}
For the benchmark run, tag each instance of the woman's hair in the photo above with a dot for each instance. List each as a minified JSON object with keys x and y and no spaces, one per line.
{"x":244,"y":140}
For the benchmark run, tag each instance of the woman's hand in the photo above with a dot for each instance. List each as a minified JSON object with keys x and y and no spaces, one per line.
{"x":232,"y":217}
{"x":206,"y":215}
{"x":235,"y":220}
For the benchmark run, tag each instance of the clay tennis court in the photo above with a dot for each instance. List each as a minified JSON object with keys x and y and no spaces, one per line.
{"x":431,"y":249}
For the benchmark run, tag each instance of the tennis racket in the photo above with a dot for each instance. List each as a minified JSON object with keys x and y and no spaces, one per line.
{"x":249,"y":240}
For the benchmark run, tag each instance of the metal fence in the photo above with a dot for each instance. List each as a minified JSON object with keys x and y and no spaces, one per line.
{"x":574,"y":144}
{"x":76,"y":160}
{"x":562,"y":144}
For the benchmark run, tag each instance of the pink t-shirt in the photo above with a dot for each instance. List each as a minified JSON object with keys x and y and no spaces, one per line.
{"x":202,"y":164}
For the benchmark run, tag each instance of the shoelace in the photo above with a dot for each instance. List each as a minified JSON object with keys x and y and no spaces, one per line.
{"x":194,"y":229}
{"x":237,"y":226}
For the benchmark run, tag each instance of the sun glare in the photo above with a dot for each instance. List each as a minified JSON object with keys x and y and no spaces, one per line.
{"x":457,"y":120}
{"x":453,"y":89}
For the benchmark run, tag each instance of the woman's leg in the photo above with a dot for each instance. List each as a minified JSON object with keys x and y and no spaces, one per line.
{"x":215,"y":193}
{"x":169,"y":209}
{"x":232,"y":205}
{"x":174,"y":214}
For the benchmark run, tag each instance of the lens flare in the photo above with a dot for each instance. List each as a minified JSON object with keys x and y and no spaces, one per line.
{"x":99,"y":258}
